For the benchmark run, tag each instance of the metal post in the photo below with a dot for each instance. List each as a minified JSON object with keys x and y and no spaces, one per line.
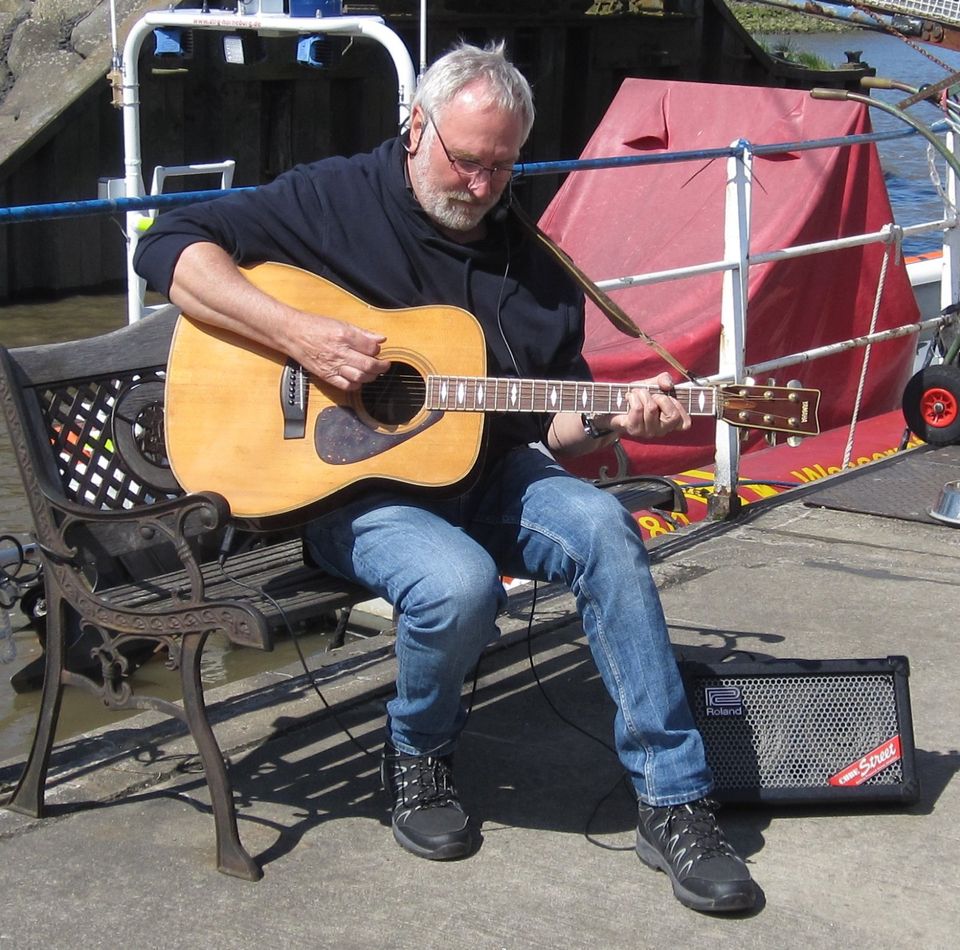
{"x":724,"y":502}
{"x":132,"y":162}
{"x":950,"y":279}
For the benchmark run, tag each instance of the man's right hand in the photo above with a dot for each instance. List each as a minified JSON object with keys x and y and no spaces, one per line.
{"x":334,"y":352}
{"x":208,"y":285}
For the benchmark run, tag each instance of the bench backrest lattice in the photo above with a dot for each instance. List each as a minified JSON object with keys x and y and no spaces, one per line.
{"x":107,"y":436}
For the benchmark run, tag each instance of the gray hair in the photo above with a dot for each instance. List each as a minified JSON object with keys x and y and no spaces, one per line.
{"x":464,"y":65}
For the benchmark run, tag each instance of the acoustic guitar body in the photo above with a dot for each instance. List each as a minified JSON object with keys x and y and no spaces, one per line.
{"x":243,"y":422}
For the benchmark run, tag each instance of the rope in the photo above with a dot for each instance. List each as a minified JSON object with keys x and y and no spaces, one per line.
{"x":894,"y":243}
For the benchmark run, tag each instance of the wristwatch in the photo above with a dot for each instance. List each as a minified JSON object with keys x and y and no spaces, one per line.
{"x":590,"y":429}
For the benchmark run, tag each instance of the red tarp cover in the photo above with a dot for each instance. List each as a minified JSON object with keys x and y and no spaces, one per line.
{"x":635,"y":220}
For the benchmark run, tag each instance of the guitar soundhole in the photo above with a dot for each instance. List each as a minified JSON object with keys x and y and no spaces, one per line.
{"x":395,"y":397}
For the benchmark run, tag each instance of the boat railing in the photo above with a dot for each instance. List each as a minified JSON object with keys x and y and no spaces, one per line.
{"x":739,"y":257}
{"x":256,"y":16}
{"x":224,"y":169}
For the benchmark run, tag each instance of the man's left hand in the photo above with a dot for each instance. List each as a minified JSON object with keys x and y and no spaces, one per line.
{"x":653,"y":412}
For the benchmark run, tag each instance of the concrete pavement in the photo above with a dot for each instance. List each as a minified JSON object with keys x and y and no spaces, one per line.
{"x":127,"y":856}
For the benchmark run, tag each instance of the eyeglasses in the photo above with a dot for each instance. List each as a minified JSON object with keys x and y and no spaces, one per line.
{"x":467,"y":168}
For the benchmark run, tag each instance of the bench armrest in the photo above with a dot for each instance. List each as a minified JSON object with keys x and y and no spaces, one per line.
{"x":162,"y":544}
{"x":118,"y":531}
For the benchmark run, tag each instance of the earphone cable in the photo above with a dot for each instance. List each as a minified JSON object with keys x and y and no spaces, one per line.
{"x":295,"y":638}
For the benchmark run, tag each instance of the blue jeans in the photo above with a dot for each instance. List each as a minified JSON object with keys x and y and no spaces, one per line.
{"x":439,"y":561}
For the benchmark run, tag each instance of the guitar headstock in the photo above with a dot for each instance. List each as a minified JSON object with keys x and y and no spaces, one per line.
{"x":770,"y":408}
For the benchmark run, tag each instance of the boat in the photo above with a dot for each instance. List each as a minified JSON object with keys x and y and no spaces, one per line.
{"x":60,"y":126}
{"x":679,"y":219}
{"x":934,"y":23}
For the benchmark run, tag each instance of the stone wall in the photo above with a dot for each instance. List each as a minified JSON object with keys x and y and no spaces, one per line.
{"x":51,"y":51}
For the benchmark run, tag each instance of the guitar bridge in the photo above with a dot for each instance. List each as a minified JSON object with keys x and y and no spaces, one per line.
{"x":293,"y":400}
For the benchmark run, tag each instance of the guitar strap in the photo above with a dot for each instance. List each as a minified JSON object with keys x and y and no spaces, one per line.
{"x":612,"y":311}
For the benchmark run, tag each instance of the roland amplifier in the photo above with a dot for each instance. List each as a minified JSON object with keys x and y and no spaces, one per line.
{"x":800,"y":731}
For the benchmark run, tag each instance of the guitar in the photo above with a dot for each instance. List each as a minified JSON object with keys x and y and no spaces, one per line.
{"x":244,"y":421}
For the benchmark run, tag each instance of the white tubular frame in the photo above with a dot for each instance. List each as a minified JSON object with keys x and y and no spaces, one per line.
{"x":370,"y":27}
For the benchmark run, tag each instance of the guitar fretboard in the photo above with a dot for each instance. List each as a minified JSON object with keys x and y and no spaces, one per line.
{"x":479,"y":394}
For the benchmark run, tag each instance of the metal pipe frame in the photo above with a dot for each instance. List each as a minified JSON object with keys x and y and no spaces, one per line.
{"x":370,"y":27}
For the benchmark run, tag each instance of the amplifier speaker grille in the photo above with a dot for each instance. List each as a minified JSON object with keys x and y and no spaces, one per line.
{"x":805,"y":730}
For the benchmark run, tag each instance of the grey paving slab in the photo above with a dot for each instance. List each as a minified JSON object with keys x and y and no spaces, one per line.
{"x":556,"y":867}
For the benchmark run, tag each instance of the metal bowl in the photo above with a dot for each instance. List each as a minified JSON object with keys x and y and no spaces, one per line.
{"x":947,"y":508}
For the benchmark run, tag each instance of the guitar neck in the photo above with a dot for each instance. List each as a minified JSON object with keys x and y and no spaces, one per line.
{"x":479,"y":394}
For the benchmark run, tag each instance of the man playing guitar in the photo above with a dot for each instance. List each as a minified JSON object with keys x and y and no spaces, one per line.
{"x":417,"y":222}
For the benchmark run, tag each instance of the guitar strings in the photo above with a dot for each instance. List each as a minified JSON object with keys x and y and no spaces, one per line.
{"x":409,"y":390}
{"x":404,"y":390}
{"x":415,"y":385}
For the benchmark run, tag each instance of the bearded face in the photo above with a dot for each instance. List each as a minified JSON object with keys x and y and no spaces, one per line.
{"x":451,"y":206}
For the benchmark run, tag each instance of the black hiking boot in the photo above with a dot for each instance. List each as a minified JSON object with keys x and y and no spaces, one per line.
{"x":686,"y":842}
{"x":428,"y":819}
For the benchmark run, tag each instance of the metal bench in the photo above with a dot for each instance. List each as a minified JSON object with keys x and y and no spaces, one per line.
{"x":129,"y":558}
{"x":126,"y":554}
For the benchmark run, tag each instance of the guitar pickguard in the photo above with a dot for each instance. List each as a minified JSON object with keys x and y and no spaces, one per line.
{"x":341,"y":437}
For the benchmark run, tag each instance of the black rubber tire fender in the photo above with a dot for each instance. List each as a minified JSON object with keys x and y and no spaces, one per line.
{"x":931,"y":404}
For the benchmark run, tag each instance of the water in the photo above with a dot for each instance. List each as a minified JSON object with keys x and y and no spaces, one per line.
{"x":913,"y":198}
{"x":906,"y":169}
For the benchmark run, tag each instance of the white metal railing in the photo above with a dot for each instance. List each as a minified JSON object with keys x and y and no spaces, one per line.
{"x":371,"y":27}
{"x":735,"y":268}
